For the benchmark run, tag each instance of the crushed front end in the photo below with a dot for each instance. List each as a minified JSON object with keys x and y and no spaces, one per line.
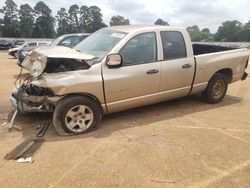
{"x":29,"y":98}
{"x":49,"y":69}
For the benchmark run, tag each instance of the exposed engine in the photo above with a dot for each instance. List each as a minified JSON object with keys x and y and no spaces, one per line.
{"x":55,"y":65}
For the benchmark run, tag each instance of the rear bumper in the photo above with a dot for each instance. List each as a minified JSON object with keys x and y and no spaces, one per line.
{"x":245,"y":75}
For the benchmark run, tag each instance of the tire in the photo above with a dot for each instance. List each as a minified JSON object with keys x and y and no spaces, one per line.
{"x":216,"y":89}
{"x":77,"y":114}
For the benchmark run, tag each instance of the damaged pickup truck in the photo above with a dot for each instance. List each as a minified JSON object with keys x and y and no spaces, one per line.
{"x":123,"y":67}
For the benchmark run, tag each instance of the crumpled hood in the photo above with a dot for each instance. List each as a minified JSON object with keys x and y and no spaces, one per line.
{"x":36,"y":61}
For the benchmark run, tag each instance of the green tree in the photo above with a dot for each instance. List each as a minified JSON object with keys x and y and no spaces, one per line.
{"x":194,"y":32}
{"x":228,"y":31}
{"x":1,"y":27}
{"x":26,"y":23}
{"x":95,"y":21}
{"x":84,"y":18}
{"x":197,"y":35}
{"x":244,"y":33}
{"x":10,"y":19}
{"x":206,"y":30}
{"x":44,"y":26}
{"x":160,"y":21}
{"x":74,"y":16}
{"x":63,"y":22}
{"x":193,"y":28}
{"x":118,"y":20}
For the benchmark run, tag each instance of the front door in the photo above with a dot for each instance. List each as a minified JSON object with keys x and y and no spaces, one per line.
{"x":138,"y":79}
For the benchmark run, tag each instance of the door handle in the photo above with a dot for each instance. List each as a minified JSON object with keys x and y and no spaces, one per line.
{"x":186,"y":66}
{"x":152,"y":71}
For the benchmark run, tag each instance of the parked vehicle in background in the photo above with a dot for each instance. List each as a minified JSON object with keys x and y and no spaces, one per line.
{"x":17,"y":43}
{"x":124,"y":67}
{"x":5,"y":44}
{"x":21,"y":53}
{"x":13,"y":51}
{"x":68,"y":40}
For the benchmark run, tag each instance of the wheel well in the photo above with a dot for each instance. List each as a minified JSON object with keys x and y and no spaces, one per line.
{"x":85,"y":95}
{"x":228,"y":73}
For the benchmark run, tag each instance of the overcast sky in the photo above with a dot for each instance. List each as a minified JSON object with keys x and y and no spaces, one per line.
{"x":204,"y":13}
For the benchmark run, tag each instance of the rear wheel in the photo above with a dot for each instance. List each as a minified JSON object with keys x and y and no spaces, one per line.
{"x":216,"y":89}
{"x":77,"y":114}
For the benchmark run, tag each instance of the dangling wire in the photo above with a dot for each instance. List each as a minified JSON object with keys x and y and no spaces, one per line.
{"x":18,"y":77}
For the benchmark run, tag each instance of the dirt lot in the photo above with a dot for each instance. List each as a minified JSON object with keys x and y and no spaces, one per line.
{"x":181,"y":143}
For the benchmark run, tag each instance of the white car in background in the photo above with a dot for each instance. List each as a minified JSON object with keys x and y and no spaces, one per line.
{"x":13,"y":51}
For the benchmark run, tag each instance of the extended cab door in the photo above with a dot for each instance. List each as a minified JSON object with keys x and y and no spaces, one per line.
{"x":178,"y":65}
{"x":139,"y":77}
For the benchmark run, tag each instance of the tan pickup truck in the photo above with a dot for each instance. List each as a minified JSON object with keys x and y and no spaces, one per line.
{"x":123,"y":67}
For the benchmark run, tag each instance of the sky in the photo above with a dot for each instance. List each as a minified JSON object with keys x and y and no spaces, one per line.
{"x":204,"y":13}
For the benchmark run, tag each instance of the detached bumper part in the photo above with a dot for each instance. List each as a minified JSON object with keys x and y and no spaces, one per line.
{"x":245,"y":75}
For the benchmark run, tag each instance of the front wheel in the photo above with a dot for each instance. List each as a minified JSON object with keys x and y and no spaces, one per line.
{"x":77,"y":114}
{"x":216,"y":89}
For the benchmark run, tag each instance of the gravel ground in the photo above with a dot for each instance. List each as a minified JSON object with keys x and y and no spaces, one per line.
{"x":180,"y":143}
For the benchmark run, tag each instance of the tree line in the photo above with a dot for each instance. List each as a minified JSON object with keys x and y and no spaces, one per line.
{"x":228,"y":31}
{"x":38,"y":21}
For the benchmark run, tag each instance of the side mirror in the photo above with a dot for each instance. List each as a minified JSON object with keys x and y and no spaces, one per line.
{"x":114,"y":60}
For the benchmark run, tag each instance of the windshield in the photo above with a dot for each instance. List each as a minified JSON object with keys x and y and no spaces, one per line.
{"x":55,"y":42}
{"x":100,"y":43}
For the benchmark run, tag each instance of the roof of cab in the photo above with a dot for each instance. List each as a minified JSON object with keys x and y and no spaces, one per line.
{"x":133,"y":28}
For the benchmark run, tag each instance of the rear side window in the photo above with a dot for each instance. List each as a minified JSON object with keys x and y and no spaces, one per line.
{"x":140,"y":49}
{"x":173,"y":45}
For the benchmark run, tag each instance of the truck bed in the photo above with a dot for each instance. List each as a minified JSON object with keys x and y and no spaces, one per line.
{"x":232,"y":60}
{"x":200,"y":49}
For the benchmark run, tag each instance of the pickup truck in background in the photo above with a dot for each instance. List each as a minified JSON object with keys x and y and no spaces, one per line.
{"x":124,"y":67}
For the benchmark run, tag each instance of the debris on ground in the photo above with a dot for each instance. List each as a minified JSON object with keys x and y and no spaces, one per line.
{"x":163,"y":181}
{"x":11,"y":117}
{"x":4,"y":124}
{"x":25,"y":160}
{"x":21,"y":149}
{"x":28,"y":146}
{"x":43,"y":129}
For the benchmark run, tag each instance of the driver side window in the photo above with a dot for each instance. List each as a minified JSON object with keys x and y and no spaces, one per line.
{"x":140,"y":49}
